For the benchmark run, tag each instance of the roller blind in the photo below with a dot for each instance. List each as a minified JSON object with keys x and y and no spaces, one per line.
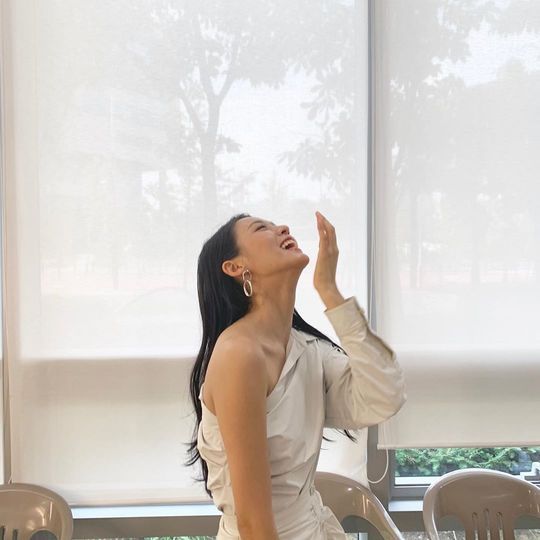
{"x":457,"y":250}
{"x":133,"y":130}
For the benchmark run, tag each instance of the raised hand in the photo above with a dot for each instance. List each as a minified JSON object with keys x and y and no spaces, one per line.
{"x":324,"y":277}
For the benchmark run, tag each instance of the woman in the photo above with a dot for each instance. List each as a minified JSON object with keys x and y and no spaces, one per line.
{"x":272,"y":381}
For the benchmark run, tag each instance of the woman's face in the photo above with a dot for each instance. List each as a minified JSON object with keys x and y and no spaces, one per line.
{"x":266,"y":248}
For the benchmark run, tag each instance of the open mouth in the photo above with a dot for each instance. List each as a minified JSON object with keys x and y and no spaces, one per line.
{"x":289,"y":245}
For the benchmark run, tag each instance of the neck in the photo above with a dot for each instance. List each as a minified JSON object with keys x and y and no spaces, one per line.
{"x":272,"y":310}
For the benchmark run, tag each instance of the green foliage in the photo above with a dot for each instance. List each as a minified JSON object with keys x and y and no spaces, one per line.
{"x":179,"y":538}
{"x":438,"y":461}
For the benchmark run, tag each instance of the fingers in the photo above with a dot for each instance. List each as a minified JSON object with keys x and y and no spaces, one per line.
{"x":326,"y":229}
{"x":321,"y":227}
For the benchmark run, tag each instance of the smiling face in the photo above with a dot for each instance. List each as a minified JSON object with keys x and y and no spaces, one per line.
{"x":265,"y":248}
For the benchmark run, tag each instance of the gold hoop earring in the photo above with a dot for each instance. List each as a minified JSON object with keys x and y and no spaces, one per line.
{"x":247,"y":281}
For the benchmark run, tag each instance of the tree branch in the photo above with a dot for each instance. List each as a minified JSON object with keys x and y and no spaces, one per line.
{"x":229,"y":79}
{"x":203,"y":66}
{"x":192,"y":113}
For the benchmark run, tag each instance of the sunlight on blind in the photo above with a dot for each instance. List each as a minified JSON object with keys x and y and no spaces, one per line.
{"x":137,"y":128}
{"x":136,"y":157}
{"x":457,"y":260}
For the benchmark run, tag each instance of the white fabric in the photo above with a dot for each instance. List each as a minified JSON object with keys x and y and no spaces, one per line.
{"x":319,"y":386}
{"x":456,"y":252}
{"x":105,"y":212}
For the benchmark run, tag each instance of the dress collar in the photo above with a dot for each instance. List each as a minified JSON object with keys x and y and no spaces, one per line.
{"x":302,"y":336}
{"x":296,"y":345}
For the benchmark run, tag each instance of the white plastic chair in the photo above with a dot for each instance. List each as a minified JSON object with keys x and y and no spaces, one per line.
{"x":28,"y":508}
{"x":346,"y":497}
{"x":483,"y":500}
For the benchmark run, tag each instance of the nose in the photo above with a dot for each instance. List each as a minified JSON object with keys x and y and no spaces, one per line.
{"x":284,"y":228}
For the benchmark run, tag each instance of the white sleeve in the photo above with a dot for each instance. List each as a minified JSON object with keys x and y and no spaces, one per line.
{"x":364,"y":386}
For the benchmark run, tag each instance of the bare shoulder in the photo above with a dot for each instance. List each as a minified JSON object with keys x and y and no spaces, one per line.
{"x":236,"y":363}
{"x":235,"y":350}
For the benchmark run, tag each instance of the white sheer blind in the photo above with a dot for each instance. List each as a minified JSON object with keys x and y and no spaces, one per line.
{"x":133,"y":130}
{"x":458,"y":228}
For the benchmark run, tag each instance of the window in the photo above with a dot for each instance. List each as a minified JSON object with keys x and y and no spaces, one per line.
{"x":135,"y":129}
{"x":455,"y":264}
{"x":420,"y":465}
{"x":455,"y":270}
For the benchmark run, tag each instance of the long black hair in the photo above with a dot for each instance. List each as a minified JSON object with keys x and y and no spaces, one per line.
{"x":222,"y":302}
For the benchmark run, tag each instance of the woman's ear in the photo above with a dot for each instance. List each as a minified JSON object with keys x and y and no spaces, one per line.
{"x":231,"y":268}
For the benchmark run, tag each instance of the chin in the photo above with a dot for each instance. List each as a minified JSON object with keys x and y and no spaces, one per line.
{"x":300,"y":260}
{"x":306,"y":259}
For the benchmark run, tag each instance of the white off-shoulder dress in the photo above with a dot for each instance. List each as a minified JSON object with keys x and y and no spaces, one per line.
{"x":319,"y":387}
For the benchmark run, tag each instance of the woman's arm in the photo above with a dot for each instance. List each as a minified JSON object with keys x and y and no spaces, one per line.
{"x":240,"y":403}
{"x":365,"y":386}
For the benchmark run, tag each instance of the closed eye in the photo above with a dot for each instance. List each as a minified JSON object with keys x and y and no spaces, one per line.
{"x":261,"y":227}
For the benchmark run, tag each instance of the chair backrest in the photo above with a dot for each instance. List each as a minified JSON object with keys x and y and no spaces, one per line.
{"x":483,"y":500}
{"x":346,"y":497}
{"x":27,"y":509}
